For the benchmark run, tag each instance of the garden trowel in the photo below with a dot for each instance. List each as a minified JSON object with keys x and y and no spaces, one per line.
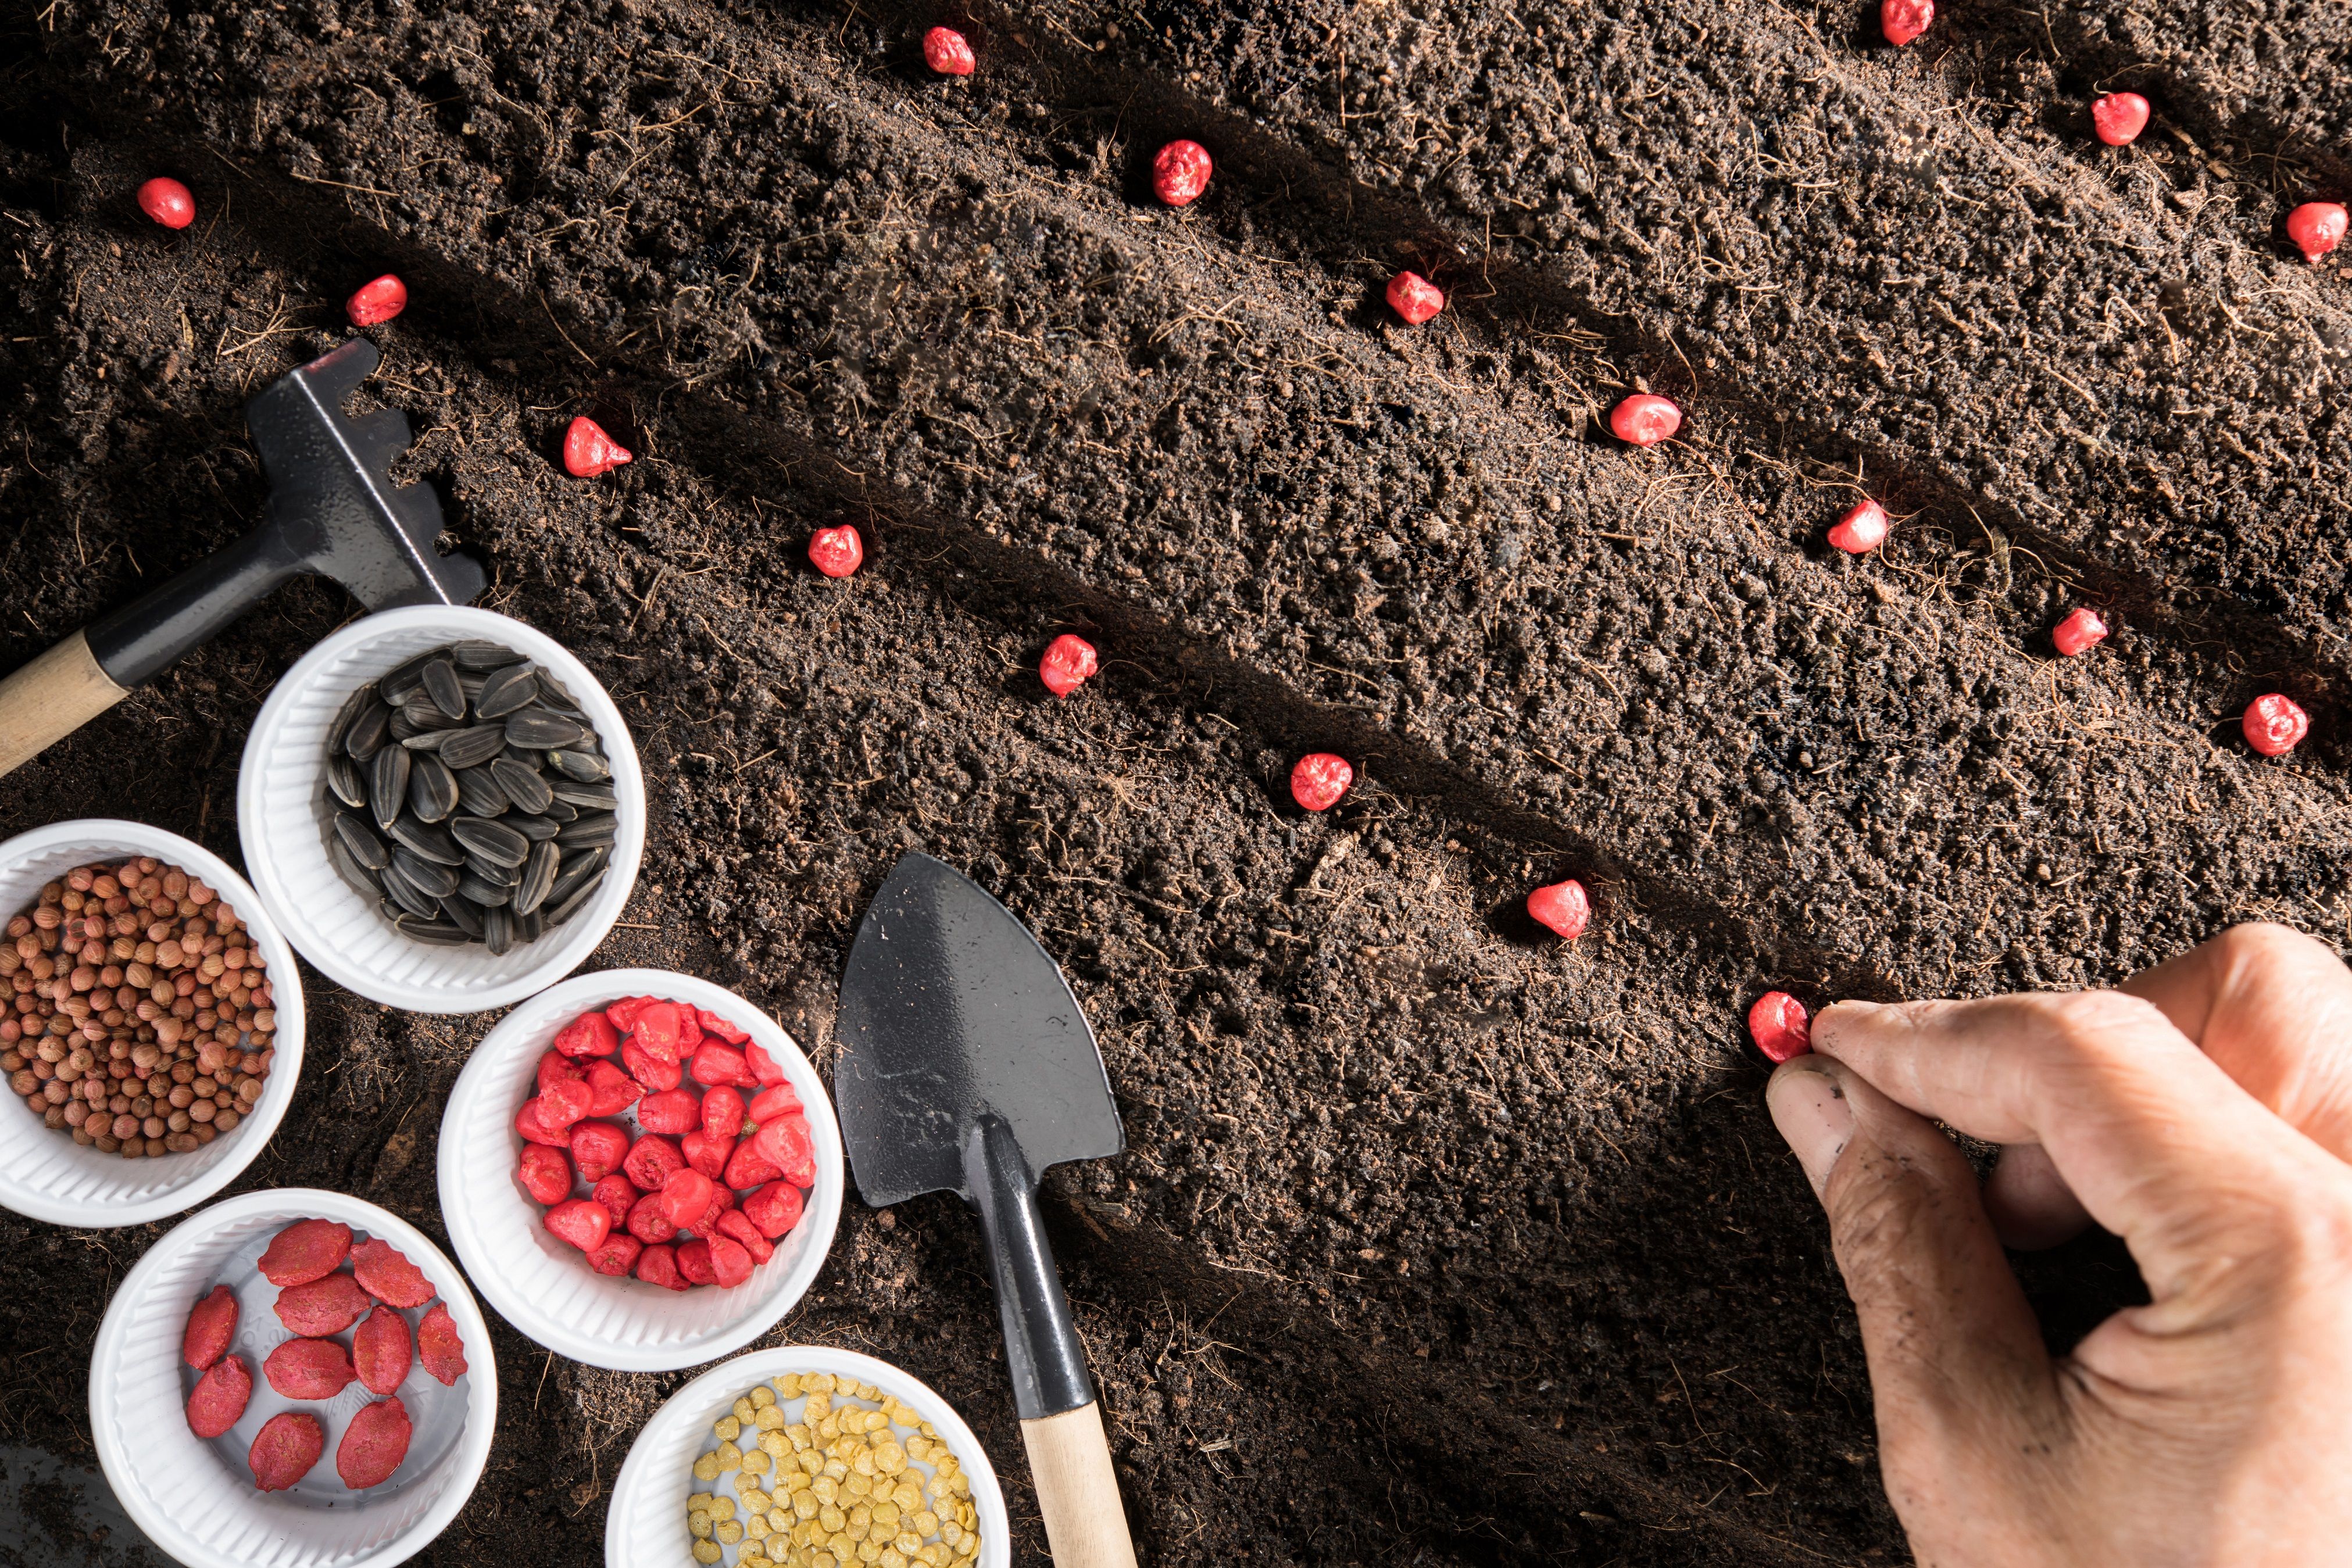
{"x":333,"y":511}
{"x":966,"y":1066}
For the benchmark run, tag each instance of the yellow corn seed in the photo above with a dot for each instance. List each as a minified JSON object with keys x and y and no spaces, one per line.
{"x":706,"y":1468}
{"x":729,"y":1533}
{"x":727,"y":1428}
{"x":706,"y":1551}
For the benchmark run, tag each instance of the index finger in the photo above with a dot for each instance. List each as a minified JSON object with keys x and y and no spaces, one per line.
{"x":2158,"y":1143}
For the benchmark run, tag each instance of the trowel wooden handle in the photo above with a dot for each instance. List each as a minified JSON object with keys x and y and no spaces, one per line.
{"x":50,"y":698}
{"x":1069,"y":1458}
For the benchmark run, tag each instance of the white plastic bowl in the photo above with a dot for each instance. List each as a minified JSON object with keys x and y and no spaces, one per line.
{"x":283,"y":817}
{"x":645,"y":1526}
{"x":542,"y":1284}
{"x":196,"y":1499}
{"x":48,"y":1175}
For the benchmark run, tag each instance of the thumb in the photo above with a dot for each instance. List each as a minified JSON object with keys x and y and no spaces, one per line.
{"x":1962,"y":1383}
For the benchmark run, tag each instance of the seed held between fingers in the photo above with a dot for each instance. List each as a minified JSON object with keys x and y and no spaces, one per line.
{"x":1779,"y":1026}
{"x":376,"y":301}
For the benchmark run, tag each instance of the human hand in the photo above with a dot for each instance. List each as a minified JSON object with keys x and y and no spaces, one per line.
{"x":2203,"y":1113}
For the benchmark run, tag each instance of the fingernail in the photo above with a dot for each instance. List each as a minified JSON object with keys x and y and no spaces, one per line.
{"x":1813,"y":1114}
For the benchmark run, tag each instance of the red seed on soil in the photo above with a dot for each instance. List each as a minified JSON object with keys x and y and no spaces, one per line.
{"x":582,"y":1221}
{"x":836,"y":552}
{"x":1415,"y":297}
{"x":385,"y":1272}
{"x":219,"y":1400}
{"x":598,"y":1148}
{"x":617,"y":1256}
{"x":947,"y":52}
{"x":588,"y":452}
{"x":167,"y":202}
{"x":1069,"y":663}
{"x":2079,"y":632}
{"x":775,"y":1208}
{"x":590,"y":1034}
{"x":1563,"y":906}
{"x":657,"y":1265}
{"x":1180,"y":172}
{"x":308,"y":1369}
{"x":383,"y":1350}
{"x":2316,"y":227}
{"x":1318,"y":778}
{"x":2119,"y":118}
{"x":285,"y":1448}
{"x":376,"y":301}
{"x":373,"y":1445}
{"x":1779,"y":1025}
{"x":212,"y":1325}
{"x":1861,"y":530}
{"x":305,"y":1250}
{"x":1903,"y":20}
{"x":2275,"y":724}
{"x":439,"y":1348}
{"x":322,"y":1307}
{"x":1644,"y":419}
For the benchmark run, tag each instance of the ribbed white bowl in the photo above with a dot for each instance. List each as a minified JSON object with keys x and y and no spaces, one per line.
{"x":48,"y":1175}
{"x":196,"y":1499}
{"x":543,"y":1285}
{"x":283,"y":817}
{"x":645,"y":1526}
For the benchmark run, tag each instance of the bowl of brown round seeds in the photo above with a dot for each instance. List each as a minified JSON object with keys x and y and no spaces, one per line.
{"x":447,"y":807}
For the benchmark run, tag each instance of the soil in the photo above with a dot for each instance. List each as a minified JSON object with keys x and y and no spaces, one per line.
{"x":1437,"y":1240}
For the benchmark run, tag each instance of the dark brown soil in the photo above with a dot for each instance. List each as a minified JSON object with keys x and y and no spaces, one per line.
{"x":1437,"y":1241}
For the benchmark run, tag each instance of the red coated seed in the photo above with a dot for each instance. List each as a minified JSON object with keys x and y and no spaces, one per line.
{"x":211,"y":1326}
{"x":775,"y":1208}
{"x":782,"y":1100}
{"x":323,"y":1307}
{"x":1644,"y":419}
{"x":1903,"y":20}
{"x":2275,"y":724}
{"x":2317,"y":228}
{"x":785,"y":1144}
{"x":947,"y":52}
{"x":765,"y":1069}
{"x":748,"y":1167}
{"x":583,"y":1221}
{"x":619,"y":1194}
{"x":686,"y":1194}
{"x":1180,"y":172}
{"x":217,"y":1402}
{"x":1861,"y":530}
{"x":1563,"y":908}
{"x":373,"y":1444}
{"x":1068,"y":661}
{"x":305,"y":1250}
{"x":438,"y":1346}
{"x":1320,"y":778}
{"x":730,"y":1263}
{"x":598,"y":1148}
{"x":167,"y":202}
{"x":308,"y":1369}
{"x":617,"y":1256}
{"x":383,"y":1350}
{"x":836,"y":552}
{"x":2079,"y":632}
{"x":2119,"y":118}
{"x":588,"y":452}
{"x":545,"y":1174}
{"x":285,"y":1448}
{"x":385,"y":1272}
{"x":1779,"y":1027}
{"x":1415,"y":297}
{"x":657,"y":1265}
{"x":376,"y":301}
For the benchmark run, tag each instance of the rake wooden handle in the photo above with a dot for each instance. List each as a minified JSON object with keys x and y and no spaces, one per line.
{"x":51,"y":697}
{"x":1069,"y":1458}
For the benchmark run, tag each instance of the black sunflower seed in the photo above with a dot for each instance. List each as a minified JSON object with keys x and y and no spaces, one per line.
{"x":479,"y":656}
{"x":537,"y":876}
{"x":358,"y":875}
{"x":490,"y":840}
{"x":430,"y":839}
{"x":551,"y":693}
{"x":434,"y":933}
{"x":340,"y":732}
{"x":580,"y":861}
{"x":347,"y":779}
{"x":404,"y":729}
{"x":571,"y":902}
{"x":525,"y":787}
{"x":588,"y":797}
{"x":504,"y":691}
{"x":494,"y":873}
{"x":595,"y":829}
{"x":359,"y":842}
{"x":498,"y":930}
{"x":408,"y":894}
{"x":538,"y":829}
{"x":580,"y":766}
{"x":366,"y":736}
{"x":422,"y":874}
{"x":429,"y":739}
{"x":388,"y":784}
{"x":420,"y":713}
{"x":537,"y":726}
{"x":399,"y":683}
{"x":463,"y":911}
{"x":479,"y":793}
{"x":441,"y":685}
{"x":561,"y":811}
{"x":489,"y":894}
{"x":431,"y":787}
{"x":529,"y":928}
{"x":472,"y":747}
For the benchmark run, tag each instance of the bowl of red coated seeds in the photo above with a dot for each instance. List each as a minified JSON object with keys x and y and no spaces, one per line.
{"x":293,"y":1376}
{"x":641,"y":1169}
{"x":153,"y":1029}
{"x":486,"y":865}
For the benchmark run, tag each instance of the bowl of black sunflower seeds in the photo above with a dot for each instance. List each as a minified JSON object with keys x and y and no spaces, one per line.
{"x":442,"y":808}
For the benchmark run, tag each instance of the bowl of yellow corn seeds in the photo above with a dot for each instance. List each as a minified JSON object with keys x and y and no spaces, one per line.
{"x":811,"y":1458}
